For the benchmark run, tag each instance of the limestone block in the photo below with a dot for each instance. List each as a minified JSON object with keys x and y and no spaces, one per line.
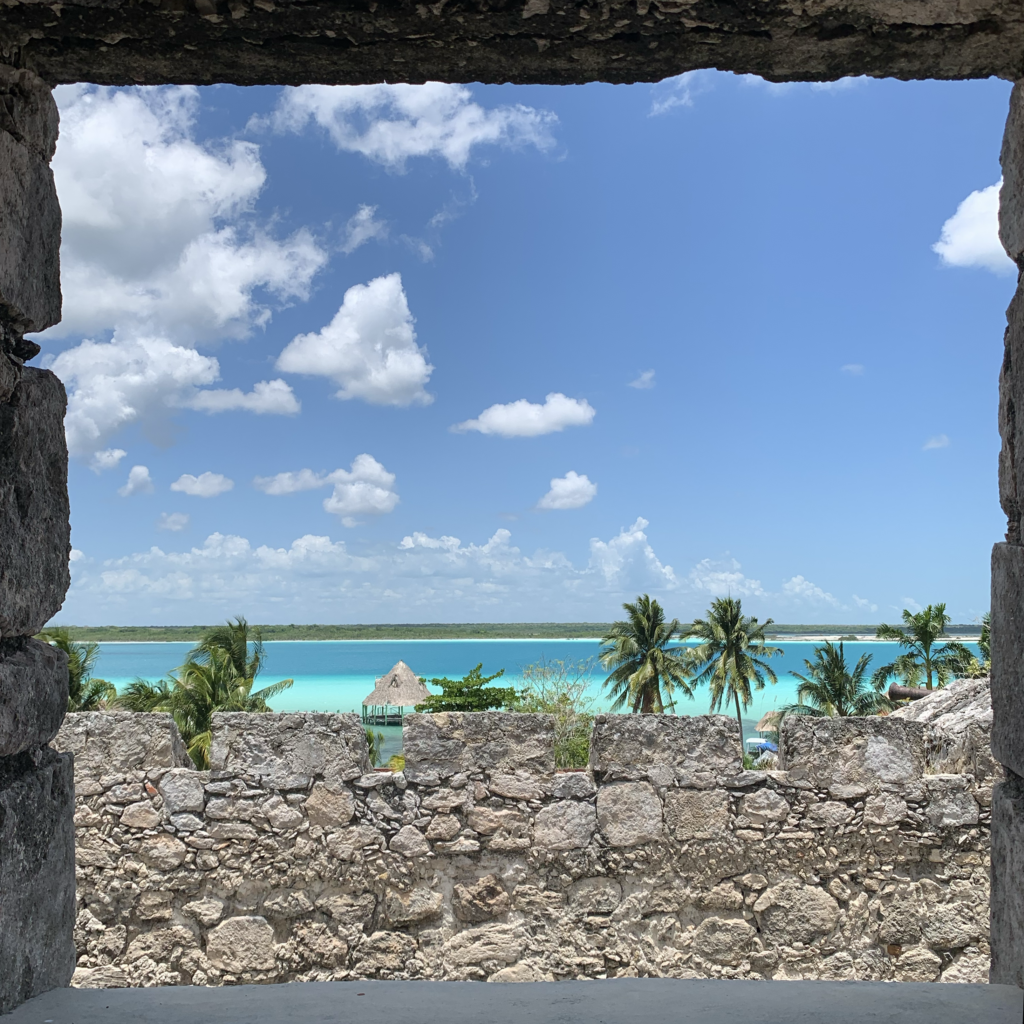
{"x":917,"y":964}
{"x":414,"y":907}
{"x":697,"y":813}
{"x":884,"y":809}
{"x":831,"y":814}
{"x":1007,"y":896}
{"x":481,"y":900}
{"x":409,"y":841}
{"x":792,"y":912}
{"x":35,"y":532}
{"x":33,"y":694}
{"x":629,"y":813}
{"x":723,"y":941}
{"x":665,"y":748}
{"x":1008,"y":653}
{"x":182,"y":791}
{"x":109,"y":742}
{"x":490,"y":943}
{"x":852,"y":757}
{"x":162,"y":852}
{"x":37,"y":875}
{"x":504,"y":745}
{"x":330,"y":805}
{"x":207,"y":911}
{"x":1011,"y":198}
{"x":565,"y":825}
{"x":242,"y":944}
{"x":765,"y":805}
{"x":289,"y":750}
{"x":950,"y":801}
{"x":595,"y":895}
{"x":29,"y":212}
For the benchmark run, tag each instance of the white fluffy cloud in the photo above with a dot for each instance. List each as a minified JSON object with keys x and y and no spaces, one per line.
{"x":361,"y":228}
{"x":804,"y":590}
{"x":139,"y":482}
{"x":369,"y":348}
{"x":206,"y":485}
{"x":723,"y":578}
{"x":108,"y":458}
{"x":569,"y":491}
{"x":366,"y":488}
{"x":154,"y":229}
{"x":391,"y":123}
{"x":114,"y":383}
{"x":629,"y":560}
{"x":529,"y":419}
{"x":174,"y":522}
{"x":970,"y":238}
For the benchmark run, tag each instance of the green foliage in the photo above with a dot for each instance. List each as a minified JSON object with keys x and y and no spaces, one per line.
{"x":831,"y":689}
{"x":730,"y":655}
{"x":468,"y":693}
{"x":375,"y":743}
{"x":646,"y":670}
{"x":217,"y":676}
{"x":559,"y":688}
{"x":922,"y":659}
{"x":396,"y":762}
{"x":84,"y":692}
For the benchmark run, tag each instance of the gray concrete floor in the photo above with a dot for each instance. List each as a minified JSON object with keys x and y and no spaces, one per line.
{"x":620,"y":1001}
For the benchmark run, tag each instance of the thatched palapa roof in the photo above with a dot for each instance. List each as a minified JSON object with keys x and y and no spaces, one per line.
{"x":769,"y":722}
{"x":400,"y":688}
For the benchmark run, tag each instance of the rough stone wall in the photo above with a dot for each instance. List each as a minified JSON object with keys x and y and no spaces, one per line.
{"x":251,"y":42}
{"x":37,"y":881}
{"x":1008,"y":588}
{"x":293,"y":860}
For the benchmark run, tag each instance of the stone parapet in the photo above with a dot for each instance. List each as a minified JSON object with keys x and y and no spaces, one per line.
{"x":109,"y":743}
{"x":33,"y":694}
{"x":37,"y":875}
{"x":507,"y":870}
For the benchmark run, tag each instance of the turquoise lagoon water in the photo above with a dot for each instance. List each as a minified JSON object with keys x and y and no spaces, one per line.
{"x":335,"y":675}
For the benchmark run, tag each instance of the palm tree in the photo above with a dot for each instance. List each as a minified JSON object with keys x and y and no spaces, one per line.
{"x":240,"y":643}
{"x":729,"y":656}
{"x":143,"y":695}
{"x":84,"y":692}
{"x":646,"y":671}
{"x":830,"y":689}
{"x":919,"y":633}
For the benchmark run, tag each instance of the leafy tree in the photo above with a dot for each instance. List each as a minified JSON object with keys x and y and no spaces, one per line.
{"x":559,"y":688}
{"x":217,"y":676}
{"x":646,"y":670}
{"x":468,"y":693}
{"x":832,"y":689}
{"x":978,"y":668}
{"x":922,"y":659}
{"x":730,"y":655}
{"x":85,"y":693}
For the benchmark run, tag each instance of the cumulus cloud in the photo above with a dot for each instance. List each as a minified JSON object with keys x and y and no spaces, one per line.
{"x":361,"y":228}
{"x":139,"y":482}
{"x":366,"y":488}
{"x":206,"y":485}
{"x":529,"y":419}
{"x":723,"y":578}
{"x":863,"y":602}
{"x":174,"y":522}
{"x":853,"y":369}
{"x":569,"y":491}
{"x":630,"y":557}
{"x":680,"y":90}
{"x":938,"y":441}
{"x":804,"y":590}
{"x":108,"y":458}
{"x":970,"y":238}
{"x":155,"y":230}
{"x":644,"y":381}
{"x":392,"y":123}
{"x":143,"y":379}
{"x":369,"y":348}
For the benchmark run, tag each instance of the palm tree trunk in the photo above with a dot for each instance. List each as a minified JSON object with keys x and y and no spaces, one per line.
{"x":928,"y":668}
{"x":739,"y":718}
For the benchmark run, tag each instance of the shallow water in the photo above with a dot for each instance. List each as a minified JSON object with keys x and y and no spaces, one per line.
{"x":335,"y":675}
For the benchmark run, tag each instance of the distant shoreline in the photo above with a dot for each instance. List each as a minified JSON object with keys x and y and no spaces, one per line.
{"x":463,"y":631}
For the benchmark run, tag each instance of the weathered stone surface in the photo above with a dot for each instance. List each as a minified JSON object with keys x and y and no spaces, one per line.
{"x":286,"y":748}
{"x":33,"y":694}
{"x":566,"y":825}
{"x":1011,"y":199}
{"x":182,"y":791}
{"x":242,"y":944}
{"x":629,"y":813}
{"x":330,"y":805}
{"x":918,"y":964}
{"x":664,"y":748}
{"x":409,"y":842}
{"x":162,"y":852}
{"x":595,"y":895}
{"x":723,"y":941}
{"x":481,"y":900}
{"x":35,"y":531}
{"x":1008,"y":645}
{"x":696,"y":813}
{"x":106,"y":742}
{"x":765,"y":805}
{"x":832,"y":814}
{"x":37,"y":875}
{"x":793,"y":912}
{"x":502,"y":744}
{"x":950,"y":801}
{"x":29,"y":211}
{"x":140,"y":815}
{"x":884,"y":809}
{"x":413,"y":907}
{"x":1007,"y":899}
{"x":543,"y":41}
{"x":490,"y":943}
{"x":852,"y":757}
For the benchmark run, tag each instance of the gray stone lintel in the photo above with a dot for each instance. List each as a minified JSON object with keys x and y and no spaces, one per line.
{"x":528,"y":41}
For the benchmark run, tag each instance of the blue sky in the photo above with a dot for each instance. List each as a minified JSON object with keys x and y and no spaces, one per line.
{"x":446,"y":353}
